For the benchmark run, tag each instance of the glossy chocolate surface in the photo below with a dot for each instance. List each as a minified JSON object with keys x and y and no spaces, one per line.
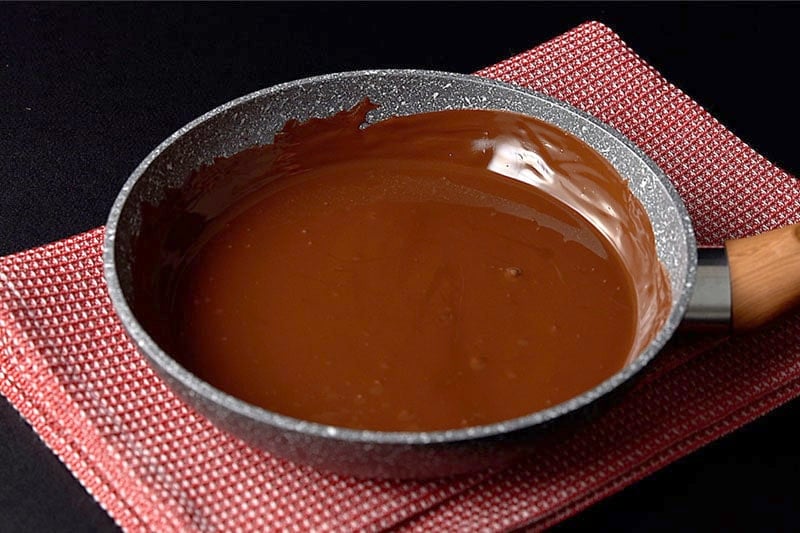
{"x":428,"y":272}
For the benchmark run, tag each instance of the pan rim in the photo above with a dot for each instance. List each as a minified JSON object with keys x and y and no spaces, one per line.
{"x":168,"y":366}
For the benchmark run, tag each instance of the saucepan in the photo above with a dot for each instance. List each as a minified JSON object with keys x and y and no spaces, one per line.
{"x":703,"y":292}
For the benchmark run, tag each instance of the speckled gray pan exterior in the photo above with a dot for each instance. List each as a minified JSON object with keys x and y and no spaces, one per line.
{"x":254,"y":119}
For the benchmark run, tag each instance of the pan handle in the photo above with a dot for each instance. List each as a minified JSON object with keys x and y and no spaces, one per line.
{"x":765,"y":276}
{"x":748,"y":283}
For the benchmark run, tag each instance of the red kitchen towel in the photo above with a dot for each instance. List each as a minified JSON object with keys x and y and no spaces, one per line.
{"x":153,"y":464}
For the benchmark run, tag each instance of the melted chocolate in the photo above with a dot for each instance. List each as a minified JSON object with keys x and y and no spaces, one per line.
{"x":435,"y":271}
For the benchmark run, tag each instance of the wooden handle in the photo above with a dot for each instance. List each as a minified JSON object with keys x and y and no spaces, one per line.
{"x":765,"y":276}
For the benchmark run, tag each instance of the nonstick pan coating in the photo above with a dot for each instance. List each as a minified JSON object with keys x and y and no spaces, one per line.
{"x":253,"y":120}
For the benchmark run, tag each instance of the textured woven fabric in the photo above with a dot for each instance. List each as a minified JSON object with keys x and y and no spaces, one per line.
{"x":153,"y":464}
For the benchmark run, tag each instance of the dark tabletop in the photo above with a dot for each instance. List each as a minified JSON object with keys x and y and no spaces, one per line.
{"x":87,"y":90}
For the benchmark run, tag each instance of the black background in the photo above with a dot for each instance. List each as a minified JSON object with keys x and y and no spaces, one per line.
{"x":87,"y":90}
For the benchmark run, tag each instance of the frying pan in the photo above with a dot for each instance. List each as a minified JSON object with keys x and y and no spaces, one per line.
{"x":701,"y":292}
